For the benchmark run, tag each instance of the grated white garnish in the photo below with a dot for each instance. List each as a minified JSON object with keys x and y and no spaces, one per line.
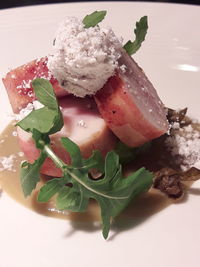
{"x":20,"y":154}
{"x":7,"y":163}
{"x":84,"y":58}
{"x":185,"y":146}
{"x":82,"y":123}
{"x":14,"y":133}
{"x":24,"y":84}
{"x":123,"y":68}
{"x":25,"y":111}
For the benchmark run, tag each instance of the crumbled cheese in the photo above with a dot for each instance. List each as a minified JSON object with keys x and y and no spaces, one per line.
{"x":84,"y":58}
{"x":14,"y":133}
{"x":123,"y":68}
{"x":30,"y":94}
{"x":175,"y":125}
{"x":20,"y":154}
{"x":25,"y":111}
{"x":24,"y":84}
{"x":184,"y":145}
{"x":7,"y":163}
{"x":82,"y":123}
{"x":145,"y":89}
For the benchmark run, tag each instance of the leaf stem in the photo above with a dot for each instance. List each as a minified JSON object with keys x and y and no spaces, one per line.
{"x":59,"y":163}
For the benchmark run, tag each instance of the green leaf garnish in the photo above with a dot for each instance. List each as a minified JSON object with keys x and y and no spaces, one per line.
{"x":127,"y":154}
{"x":30,"y":174}
{"x":75,"y":188}
{"x":140,"y":33}
{"x":113,"y":192}
{"x":50,"y":189}
{"x":94,"y":18}
{"x":45,"y":93}
{"x":46,"y":120}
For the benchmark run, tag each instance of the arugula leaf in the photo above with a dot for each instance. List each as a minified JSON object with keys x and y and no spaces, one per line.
{"x":140,"y":34}
{"x":69,"y":199}
{"x":47,"y":120}
{"x":94,"y":18}
{"x":96,"y":161}
{"x":111,"y":165}
{"x":128,"y":154}
{"x":45,"y":93}
{"x":74,"y":151}
{"x":30,"y":174}
{"x":75,"y":188}
{"x":41,"y":119}
{"x":131,"y":187}
{"x":113,"y":192}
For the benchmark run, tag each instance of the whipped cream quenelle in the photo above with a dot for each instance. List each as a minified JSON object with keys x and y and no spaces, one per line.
{"x":83,"y":59}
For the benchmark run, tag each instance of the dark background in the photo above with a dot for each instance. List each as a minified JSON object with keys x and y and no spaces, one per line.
{"x":17,"y":3}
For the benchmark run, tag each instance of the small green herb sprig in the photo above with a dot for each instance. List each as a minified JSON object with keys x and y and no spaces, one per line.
{"x":140,"y":30}
{"x":94,"y":18}
{"x":140,"y":34}
{"x":112,"y":191}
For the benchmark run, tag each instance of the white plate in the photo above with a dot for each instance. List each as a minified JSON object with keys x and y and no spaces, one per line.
{"x":170,"y":57}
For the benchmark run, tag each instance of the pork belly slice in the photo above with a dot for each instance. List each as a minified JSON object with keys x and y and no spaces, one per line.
{"x":18,"y":83}
{"x":82,"y":124}
{"x":130,"y":105}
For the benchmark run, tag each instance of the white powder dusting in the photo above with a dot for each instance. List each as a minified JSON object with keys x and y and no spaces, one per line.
{"x":185,"y":146}
{"x":175,"y":125}
{"x":24,"y":84}
{"x":14,"y":133}
{"x":123,"y":68}
{"x":82,"y":123}
{"x":83,"y":59}
{"x":20,"y":154}
{"x":7,"y":163}
{"x":25,"y":111}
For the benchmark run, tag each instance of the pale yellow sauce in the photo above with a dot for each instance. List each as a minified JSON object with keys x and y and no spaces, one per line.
{"x":144,"y":206}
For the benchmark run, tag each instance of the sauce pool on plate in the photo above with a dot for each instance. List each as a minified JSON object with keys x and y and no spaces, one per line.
{"x":144,"y":206}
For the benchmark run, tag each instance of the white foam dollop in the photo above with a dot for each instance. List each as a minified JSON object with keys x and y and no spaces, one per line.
{"x":83,"y":59}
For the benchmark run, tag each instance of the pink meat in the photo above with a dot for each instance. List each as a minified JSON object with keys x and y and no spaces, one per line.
{"x":18,"y":83}
{"x":130,"y":105}
{"x":82,"y":124}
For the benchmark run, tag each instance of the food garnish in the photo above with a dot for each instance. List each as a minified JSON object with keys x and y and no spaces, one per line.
{"x":112,"y":191}
{"x":90,"y":61}
{"x":94,"y":18}
{"x":140,"y":31}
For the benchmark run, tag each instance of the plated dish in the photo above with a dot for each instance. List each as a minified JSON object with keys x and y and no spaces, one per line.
{"x":164,"y":100}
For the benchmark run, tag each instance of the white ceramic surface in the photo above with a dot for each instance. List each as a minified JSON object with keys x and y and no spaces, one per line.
{"x":170,"y":57}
